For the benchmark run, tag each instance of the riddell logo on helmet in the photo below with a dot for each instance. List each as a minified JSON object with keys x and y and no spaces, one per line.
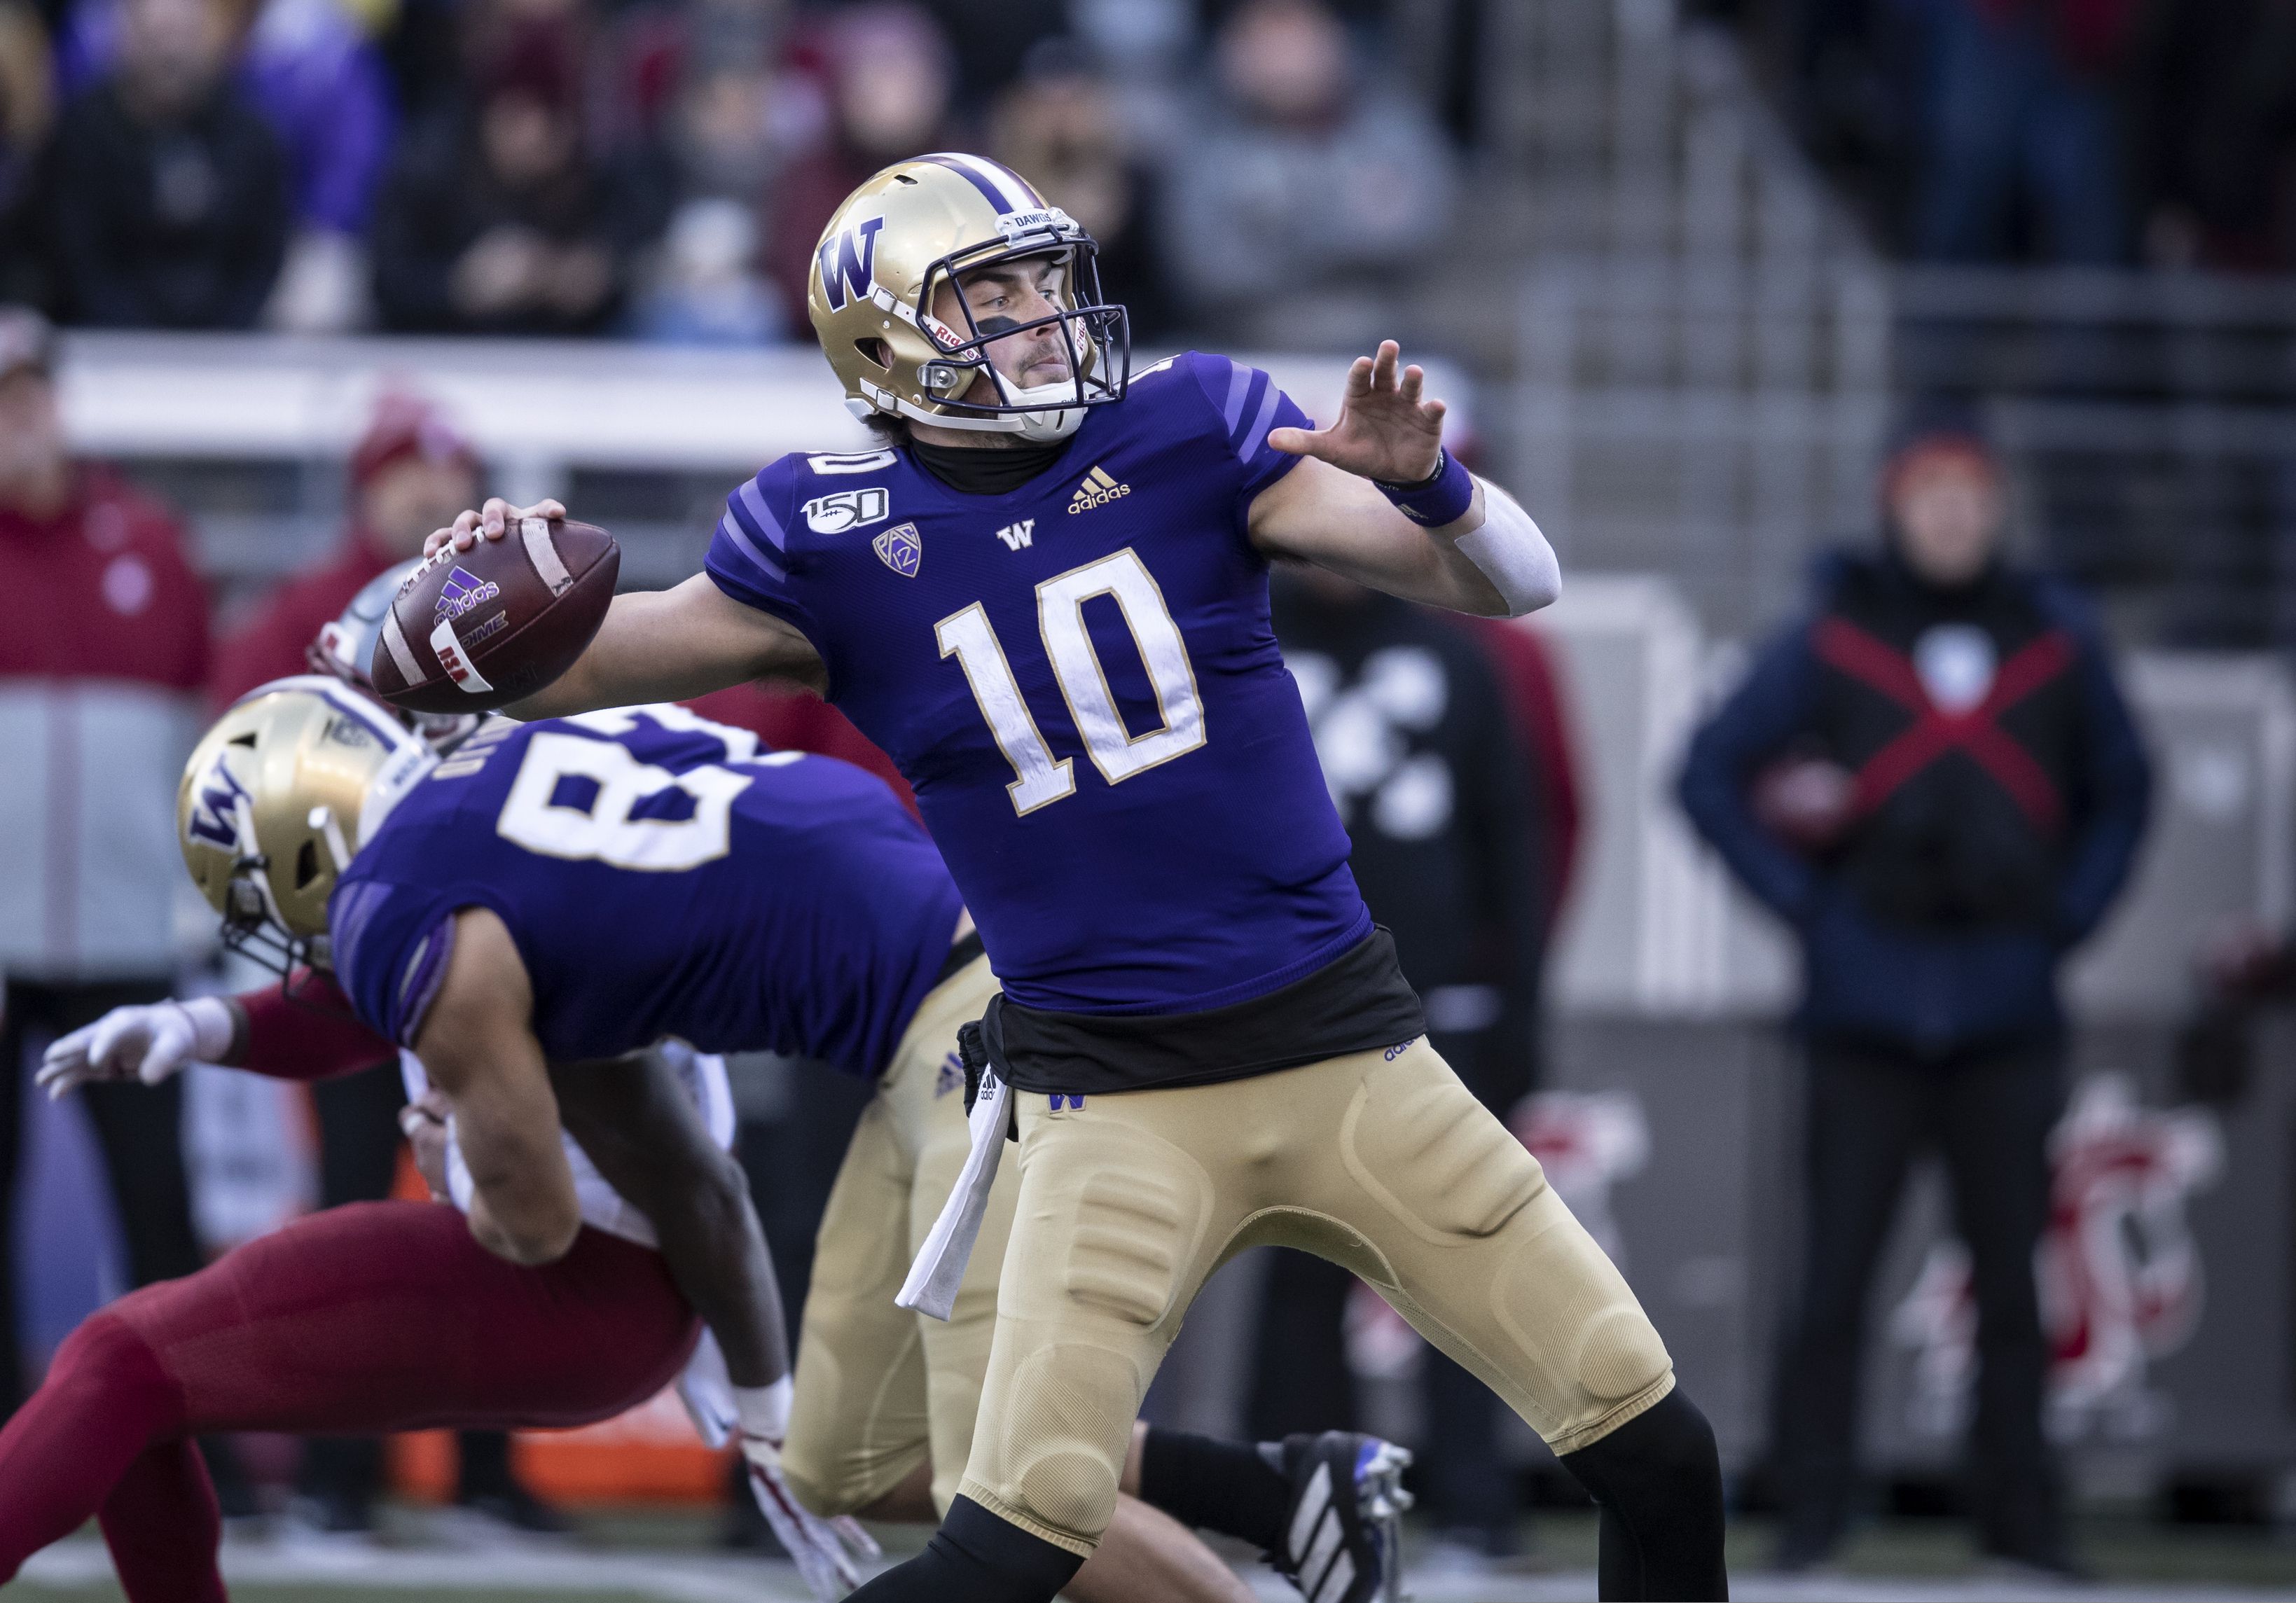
{"x":1098,"y":489}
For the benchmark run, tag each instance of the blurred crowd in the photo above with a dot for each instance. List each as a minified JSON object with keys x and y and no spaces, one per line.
{"x":2091,"y":132}
{"x":662,"y":169}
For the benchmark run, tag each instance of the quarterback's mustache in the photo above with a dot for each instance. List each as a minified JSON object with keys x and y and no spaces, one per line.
{"x":996,"y":326}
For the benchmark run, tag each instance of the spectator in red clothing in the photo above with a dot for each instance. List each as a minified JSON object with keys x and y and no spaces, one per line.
{"x":890,"y":82}
{"x":410,"y":474}
{"x":103,"y":648}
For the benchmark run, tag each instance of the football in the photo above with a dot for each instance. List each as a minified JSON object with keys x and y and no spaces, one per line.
{"x":475,"y":630}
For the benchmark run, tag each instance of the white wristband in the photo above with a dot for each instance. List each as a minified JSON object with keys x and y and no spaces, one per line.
{"x":209,"y":1018}
{"x":764,"y":1411}
{"x":1508,"y":549}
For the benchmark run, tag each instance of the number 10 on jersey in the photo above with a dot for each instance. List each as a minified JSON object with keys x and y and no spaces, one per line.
{"x":1041,"y":778}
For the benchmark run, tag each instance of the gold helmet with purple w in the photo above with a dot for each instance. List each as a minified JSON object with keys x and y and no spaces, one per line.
{"x":888,"y":298}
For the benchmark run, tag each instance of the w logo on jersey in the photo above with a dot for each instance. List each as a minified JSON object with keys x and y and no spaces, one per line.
{"x":462,"y":591}
{"x":1016,"y":535}
{"x":848,"y":263}
{"x":215,"y":809}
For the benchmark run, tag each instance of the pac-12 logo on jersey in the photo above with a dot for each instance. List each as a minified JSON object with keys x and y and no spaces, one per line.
{"x":900,"y":549}
{"x":848,"y":263}
{"x":834,"y":513}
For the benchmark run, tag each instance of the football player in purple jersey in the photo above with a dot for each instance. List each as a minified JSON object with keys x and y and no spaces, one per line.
{"x":1044,"y":596}
{"x":743,"y":899}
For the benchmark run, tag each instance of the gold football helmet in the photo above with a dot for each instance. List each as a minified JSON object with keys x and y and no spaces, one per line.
{"x":277,"y":799}
{"x":920,"y":225}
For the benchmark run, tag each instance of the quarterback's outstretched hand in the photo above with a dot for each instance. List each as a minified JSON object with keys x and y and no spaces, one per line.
{"x":147,"y":1043}
{"x":1384,"y":430}
{"x":488,"y":522}
{"x":816,"y":1546}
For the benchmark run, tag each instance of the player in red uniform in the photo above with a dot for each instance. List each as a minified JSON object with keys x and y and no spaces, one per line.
{"x":378,"y":1317}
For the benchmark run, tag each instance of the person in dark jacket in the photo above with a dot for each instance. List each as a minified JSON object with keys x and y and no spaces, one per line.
{"x":497,"y":219}
{"x":171,"y":201}
{"x":1934,"y":780}
{"x":1423,"y":751}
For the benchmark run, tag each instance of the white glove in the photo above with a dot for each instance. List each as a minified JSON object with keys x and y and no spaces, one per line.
{"x":708,"y":1393}
{"x":816,"y":1545}
{"x":147,"y":1043}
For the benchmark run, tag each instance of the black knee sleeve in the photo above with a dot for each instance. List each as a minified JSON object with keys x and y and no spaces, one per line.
{"x":1658,"y":1480}
{"x":976,"y":1558}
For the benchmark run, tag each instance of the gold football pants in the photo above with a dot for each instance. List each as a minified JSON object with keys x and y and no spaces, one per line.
{"x":880,"y":1390}
{"x":1381,"y":1161}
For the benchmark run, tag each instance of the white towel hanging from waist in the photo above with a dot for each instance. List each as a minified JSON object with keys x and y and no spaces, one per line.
{"x":930,"y":1288}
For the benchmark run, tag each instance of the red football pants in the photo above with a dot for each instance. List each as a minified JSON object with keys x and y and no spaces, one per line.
{"x":379,"y":1316}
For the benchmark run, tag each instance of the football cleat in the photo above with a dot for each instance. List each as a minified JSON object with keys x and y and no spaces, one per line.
{"x":1343,"y":1532}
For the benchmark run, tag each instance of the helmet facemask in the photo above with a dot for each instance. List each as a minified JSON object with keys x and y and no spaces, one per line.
{"x":1097,"y":336}
{"x":254,"y":926}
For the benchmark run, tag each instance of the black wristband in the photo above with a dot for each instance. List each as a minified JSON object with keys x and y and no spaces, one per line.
{"x":1442,"y":497}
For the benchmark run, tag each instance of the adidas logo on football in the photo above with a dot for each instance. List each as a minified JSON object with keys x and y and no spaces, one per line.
{"x":1098,"y":489}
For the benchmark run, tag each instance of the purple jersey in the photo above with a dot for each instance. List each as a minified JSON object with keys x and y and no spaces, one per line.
{"x":662,"y":876}
{"x":1079,"y":680}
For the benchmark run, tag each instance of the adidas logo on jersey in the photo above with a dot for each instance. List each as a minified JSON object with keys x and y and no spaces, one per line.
{"x":1017,"y":535}
{"x":1098,"y":489}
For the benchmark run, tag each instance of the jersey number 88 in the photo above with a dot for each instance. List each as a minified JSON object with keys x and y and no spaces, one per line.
{"x":593,"y":822}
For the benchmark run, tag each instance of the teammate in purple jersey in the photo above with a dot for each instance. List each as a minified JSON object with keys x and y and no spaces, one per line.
{"x":750,"y":900}
{"x":738,"y":898}
{"x":1046,"y":597}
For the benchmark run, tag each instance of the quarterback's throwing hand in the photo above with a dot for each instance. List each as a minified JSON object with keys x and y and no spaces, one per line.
{"x":816,"y":1546}
{"x":1384,"y":430}
{"x":144,"y":1043}
{"x":488,"y":522}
